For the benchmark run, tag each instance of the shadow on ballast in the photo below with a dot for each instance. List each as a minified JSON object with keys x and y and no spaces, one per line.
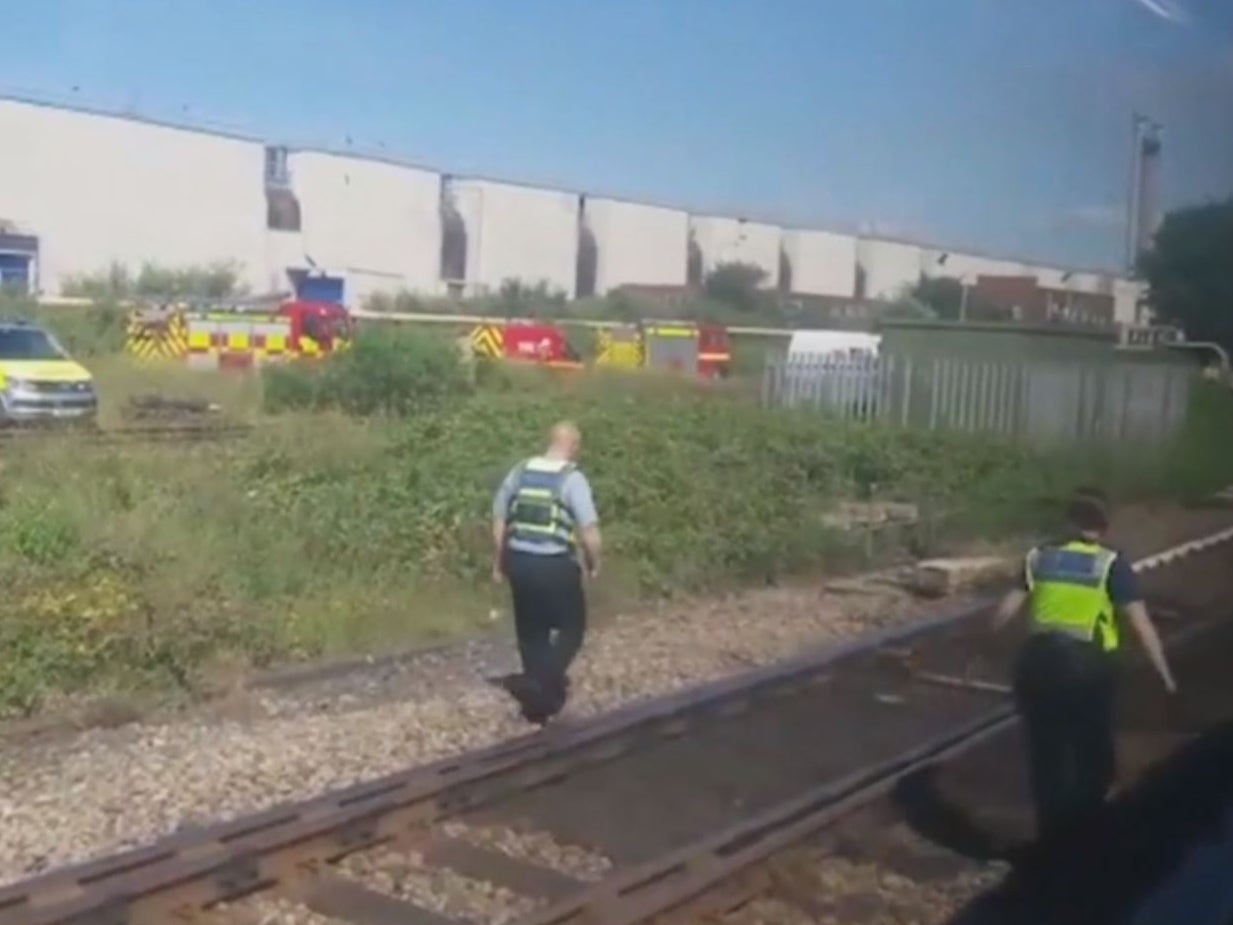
{"x":1162,"y":852}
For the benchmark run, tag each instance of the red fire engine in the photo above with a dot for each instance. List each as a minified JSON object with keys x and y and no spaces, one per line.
{"x":544,"y":344}
{"x":698,"y":349}
{"x":238,"y":333}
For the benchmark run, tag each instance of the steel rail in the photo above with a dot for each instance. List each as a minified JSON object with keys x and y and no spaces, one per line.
{"x":231,"y":859}
{"x":641,"y":894}
{"x":718,"y":872}
{"x":191,"y":870}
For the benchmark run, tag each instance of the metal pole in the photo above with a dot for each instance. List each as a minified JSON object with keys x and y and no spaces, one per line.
{"x":1132,"y":199}
{"x":1149,"y":175}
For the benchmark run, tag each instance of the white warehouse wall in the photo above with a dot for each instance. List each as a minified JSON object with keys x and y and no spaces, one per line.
{"x":1076,"y":280}
{"x":1047,"y":277}
{"x":637,"y":244}
{"x":968,"y":267}
{"x":283,"y":249}
{"x":1085,"y":281}
{"x":1126,"y":296}
{"x":518,"y":232}
{"x":889,"y":266}
{"x":97,"y":189}
{"x":733,"y":240}
{"x":374,"y":223}
{"x":823,"y":262}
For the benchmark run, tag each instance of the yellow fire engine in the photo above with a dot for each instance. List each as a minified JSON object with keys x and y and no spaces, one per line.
{"x":237,"y":334}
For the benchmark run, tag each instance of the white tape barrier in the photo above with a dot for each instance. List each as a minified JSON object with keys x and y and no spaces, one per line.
{"x":1170,"y":556}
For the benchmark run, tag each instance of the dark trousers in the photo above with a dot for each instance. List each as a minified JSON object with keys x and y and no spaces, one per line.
{"x":550,"y":622}
{"x":1064,"y":691}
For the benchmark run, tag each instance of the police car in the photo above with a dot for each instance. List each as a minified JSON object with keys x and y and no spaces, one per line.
{"x":39,"y":381}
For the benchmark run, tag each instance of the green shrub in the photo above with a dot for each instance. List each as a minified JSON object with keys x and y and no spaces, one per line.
{"x":695,"y":489}
{"x":85,"y":331}
{"x":736,"y":285}
{"x":395,"y":372}
{"x":218,"y":280}
{"x":732,"y":298}
{"x":358,"y":517}
{"x":92,"y":331}
{"x":39,"y":532}
{"x":1199,"y":462}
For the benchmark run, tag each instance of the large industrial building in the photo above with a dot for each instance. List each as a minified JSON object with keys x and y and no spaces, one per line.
{"x":83,"y":190}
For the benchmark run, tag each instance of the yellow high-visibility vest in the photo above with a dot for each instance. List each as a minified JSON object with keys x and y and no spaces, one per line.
{"x":1068,"y":592}
{"x":536,"y":509}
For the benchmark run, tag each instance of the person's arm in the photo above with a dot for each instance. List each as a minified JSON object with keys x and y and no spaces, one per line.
{"x":1136,"y":614}
{"x":1124,"y":592}
{"x":591,"y":546}
{"x":576,"y":494}
{"x":1008,"y":608}
{"x":500,"y":509}
{"x":1011,"y":605}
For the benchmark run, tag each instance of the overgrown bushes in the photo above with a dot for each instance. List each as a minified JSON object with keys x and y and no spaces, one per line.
{"x":117,"y":282}
{"x":356,"y":517}
{"x":732,"y":294}
{"x":394,"y":372}
{"x":91,"y":330}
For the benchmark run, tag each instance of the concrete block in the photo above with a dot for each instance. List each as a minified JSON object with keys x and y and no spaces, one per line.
{"x":940,"y":577}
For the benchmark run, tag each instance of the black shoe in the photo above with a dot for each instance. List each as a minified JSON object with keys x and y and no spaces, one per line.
{"x":533,"y":702}
{"x":536,"y":716}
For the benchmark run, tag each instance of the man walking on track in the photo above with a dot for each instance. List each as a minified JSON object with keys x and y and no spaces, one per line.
{"x":1064,"y":675}
{"x":542,"y":514}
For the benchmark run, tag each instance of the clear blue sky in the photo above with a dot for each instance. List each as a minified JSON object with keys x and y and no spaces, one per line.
{"x":1001,"y":125}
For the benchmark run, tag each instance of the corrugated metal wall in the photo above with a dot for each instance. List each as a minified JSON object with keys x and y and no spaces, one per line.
{"x":637,"y":244}
{"x":97,"y":188}
{"x":733,"y":240}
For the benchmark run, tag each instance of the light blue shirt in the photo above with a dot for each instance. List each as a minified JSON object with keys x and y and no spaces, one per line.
{"x":575,"y":495}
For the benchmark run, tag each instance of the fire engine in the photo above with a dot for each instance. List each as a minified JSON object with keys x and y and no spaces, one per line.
{"x":238,"y":334}
{"x":699,"y":349}
{"x":525,"y":342}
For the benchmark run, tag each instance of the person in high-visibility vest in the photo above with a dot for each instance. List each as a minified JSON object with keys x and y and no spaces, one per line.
{"x":543,"y":518}
{"x":1064,"y":674}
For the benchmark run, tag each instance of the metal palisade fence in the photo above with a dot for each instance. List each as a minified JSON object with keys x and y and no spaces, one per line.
{"x":1038,"y":399}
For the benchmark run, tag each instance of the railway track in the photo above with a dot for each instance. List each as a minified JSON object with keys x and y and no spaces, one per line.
{"x":661,"y":811}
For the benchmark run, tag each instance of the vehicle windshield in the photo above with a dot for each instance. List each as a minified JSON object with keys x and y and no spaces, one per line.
{"x":29,"y":344}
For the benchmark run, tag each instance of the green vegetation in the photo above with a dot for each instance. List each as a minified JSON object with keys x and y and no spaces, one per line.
{"x":943,"y":297}
{"x":92,"y":330}
{"x":355,"y":518}
{"x":97,"y":327}
{"x":1190,"y":273}
{"x":733,"y":294}
{"x":211,"y":281}
{"x":397,"y":372}
{"x":730,"y":294}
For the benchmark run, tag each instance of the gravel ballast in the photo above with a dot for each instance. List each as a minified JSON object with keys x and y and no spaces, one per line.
{"x":103,"y":789}
{"x":814,"y":887}
{"x":83,"y":795}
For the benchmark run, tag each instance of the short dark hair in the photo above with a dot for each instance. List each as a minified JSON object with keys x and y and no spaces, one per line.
{"x":1092,"y":493}
{"x":1087,"y":514}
